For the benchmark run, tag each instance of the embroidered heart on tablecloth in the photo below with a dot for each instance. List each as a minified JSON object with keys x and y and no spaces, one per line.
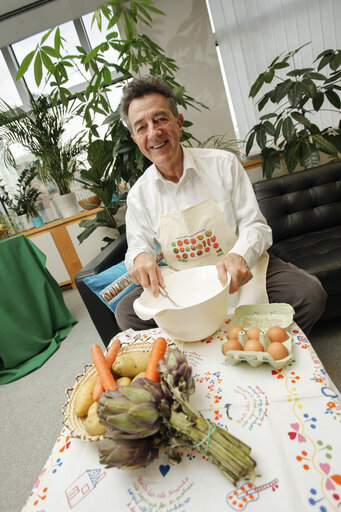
{"x":164,"y":469}
{"x":292,"y":435}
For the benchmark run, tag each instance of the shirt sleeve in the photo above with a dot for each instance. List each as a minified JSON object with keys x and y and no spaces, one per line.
{"x":254,"y":234}
{"x":140,"y":237}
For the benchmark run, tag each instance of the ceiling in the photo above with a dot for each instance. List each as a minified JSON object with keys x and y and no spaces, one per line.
{"x":22,"y":18}
{"x":13,"y":7}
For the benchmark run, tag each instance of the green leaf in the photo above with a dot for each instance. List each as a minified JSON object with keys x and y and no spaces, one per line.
{"x":256,"y":86}
{"x":57,"y":41}
{"x":129,"y":26}
{"x":325,"y":60}
{"x":269,"y":127}
{"x":295,"y":94}
{"x":325,"y":145}
{"x":334,"y":98}
{"x":301,"y":119}
{"x":38,"y":69}
{"x":106,"y":75}
{"x":281,"y":65}
{"x":271,"y":161}
{"x":309,"y":87}
{"x":336,"y":61}
{"x":263,"y":101}
{"x":278,"y":130}
{"x":46,"y":35}
{"x":249,"y":143}
{"x":280,"y":91}
{"x":260,"y":136}
{"x":47,"y":61}
{"x":318,"y":101}
{"x":333,"y":77}
{"x":49,"y":50}
{"x":291,"y":155}
{"x":315,"y":76}
{"x":25,"y":64}
{"x":93,"y":53}
{"x":310,"y":154}
{"x":269,"y":76}
{"x":288,"y":129}
{"x":114,"y":19}
{"x":267,"y":116}
{"x":299,"y":72}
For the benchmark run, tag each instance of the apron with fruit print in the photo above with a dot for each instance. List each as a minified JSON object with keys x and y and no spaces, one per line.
{"x":200,"y":235}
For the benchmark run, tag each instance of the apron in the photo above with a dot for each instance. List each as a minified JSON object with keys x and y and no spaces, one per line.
{"x":200,"y":235}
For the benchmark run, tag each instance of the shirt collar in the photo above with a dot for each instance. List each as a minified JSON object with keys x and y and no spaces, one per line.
{"x":188,"y":164}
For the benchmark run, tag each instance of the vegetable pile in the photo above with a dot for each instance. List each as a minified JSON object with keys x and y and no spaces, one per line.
{"x":154,"y":414}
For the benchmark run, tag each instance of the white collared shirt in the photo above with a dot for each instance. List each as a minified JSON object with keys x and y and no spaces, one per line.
{"x":224,"y":179}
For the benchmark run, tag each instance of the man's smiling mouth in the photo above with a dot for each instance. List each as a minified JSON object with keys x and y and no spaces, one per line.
{"x":159,"y":145}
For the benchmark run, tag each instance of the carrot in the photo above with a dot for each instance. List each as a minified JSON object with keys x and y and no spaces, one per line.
{"x":103,"y":370}
{"x":110,"y":357}
{"x":157,"y":352}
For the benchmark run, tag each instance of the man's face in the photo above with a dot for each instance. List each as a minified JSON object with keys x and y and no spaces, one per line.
{"x":155,"y":130}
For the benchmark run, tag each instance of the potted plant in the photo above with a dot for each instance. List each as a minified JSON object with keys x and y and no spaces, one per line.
{"x":41,"y":130}
{"x":289,"y":132}
{"x":24,"y":201}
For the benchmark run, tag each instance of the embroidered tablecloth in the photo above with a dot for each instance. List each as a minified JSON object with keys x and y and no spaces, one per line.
{"x":291,"y":418}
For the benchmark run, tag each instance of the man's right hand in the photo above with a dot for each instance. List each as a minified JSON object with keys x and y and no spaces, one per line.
{"x":146,"y":272}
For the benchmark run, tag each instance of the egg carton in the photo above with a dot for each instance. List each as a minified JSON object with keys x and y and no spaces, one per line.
{"x":262,"y":316}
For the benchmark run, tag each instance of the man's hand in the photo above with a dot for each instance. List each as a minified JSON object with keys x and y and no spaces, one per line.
{"x":146,"y":272}
{"x":237,"y":267}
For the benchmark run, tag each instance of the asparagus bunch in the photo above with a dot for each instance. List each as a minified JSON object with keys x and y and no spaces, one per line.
{"x":148,"y":416}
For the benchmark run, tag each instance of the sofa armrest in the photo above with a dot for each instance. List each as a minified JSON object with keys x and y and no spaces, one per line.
{"x":103,"y":319}
{"x":109,"y":256}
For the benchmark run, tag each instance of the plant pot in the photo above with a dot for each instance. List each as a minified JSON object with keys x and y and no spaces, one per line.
{"x":66,"y":205}
{"x":37,"y":221}
{"x":25,"y":223}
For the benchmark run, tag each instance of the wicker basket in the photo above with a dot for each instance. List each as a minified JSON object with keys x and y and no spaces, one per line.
{"x":73,"y":422}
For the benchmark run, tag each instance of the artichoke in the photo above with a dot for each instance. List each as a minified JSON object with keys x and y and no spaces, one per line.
{"x":147,"y":416}
{"x":177,"y":373}
{"x":127,"y":453}
{"x":134,"y":411}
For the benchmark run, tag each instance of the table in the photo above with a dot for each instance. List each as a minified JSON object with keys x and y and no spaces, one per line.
{"x":33,"y":316}
{"x":291,"y":418}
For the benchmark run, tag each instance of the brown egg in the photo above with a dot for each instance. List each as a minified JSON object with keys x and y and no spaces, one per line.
{"x":253,"y":333}
{"x":276,"y":333}
{"x":233,"y":331}
{"x":232,"y":344}
{"x":253,"y":346}
{"x":277,"y":350}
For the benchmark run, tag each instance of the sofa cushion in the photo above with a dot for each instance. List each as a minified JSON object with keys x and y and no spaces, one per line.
{"x":317,"y":252}
{"x":111,"y":284}
{"x":301,"y":202}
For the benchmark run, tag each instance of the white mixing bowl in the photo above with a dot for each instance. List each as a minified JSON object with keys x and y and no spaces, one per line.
{"x":203,"y":299}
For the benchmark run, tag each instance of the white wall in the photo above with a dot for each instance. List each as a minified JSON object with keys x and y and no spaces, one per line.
{"x":185,"y":34}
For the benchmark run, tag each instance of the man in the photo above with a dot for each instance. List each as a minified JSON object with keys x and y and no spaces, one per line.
{"x":199,"y":207}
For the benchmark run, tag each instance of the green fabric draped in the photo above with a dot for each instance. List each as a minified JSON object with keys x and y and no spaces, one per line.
{"x":33,"y":316}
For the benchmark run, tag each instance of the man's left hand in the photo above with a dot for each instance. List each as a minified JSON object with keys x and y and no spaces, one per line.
{"x":237,"y":268}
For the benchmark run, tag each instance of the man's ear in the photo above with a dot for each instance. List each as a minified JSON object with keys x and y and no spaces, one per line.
{"x":180,"y":121}
{"x":133,"y":138}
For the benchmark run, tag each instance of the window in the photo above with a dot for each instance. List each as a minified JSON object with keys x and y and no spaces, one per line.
{"x":8,"y":91}
{"x":22,"y":48}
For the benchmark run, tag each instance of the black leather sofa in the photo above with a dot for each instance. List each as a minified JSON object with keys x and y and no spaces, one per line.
{"x":304,"y":212}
